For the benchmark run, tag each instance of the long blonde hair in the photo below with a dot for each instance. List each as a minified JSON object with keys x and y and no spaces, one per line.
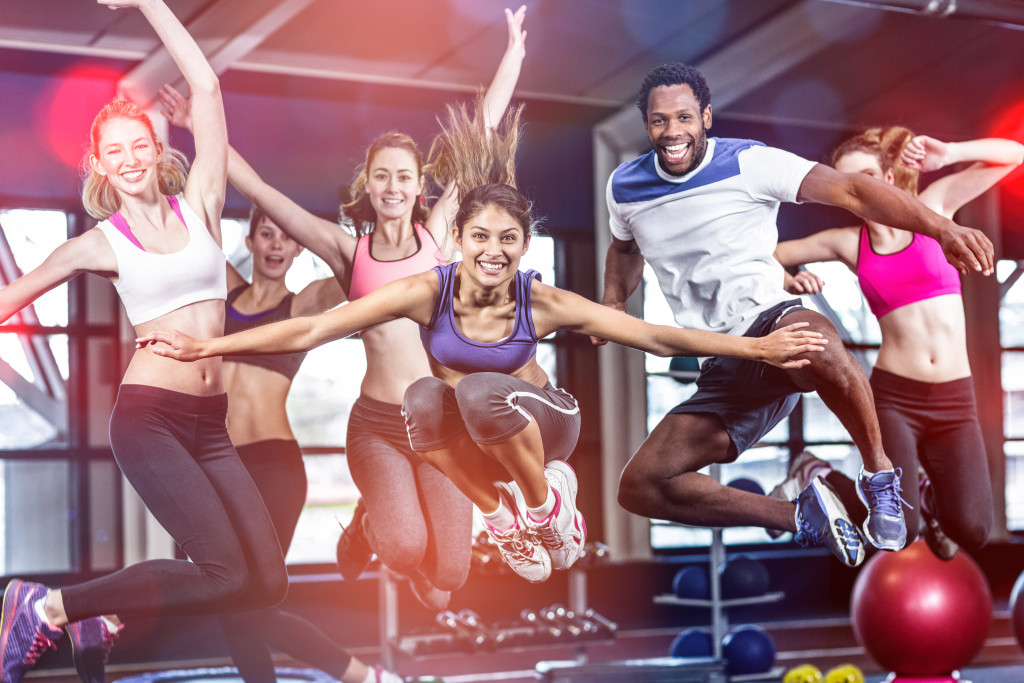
{"x":886,"y":144}
{"x":98,"y":196}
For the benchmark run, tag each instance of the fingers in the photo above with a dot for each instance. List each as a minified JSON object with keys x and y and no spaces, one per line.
{"x":597,"y":341}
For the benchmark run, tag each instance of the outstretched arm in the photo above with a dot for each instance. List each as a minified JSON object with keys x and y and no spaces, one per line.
{"x":993,"y":159}
{"x":89,"y":252}
{"x":874,"y":200}
{"x":556,"y":309}
{"x":206,"y":184}
{"x":324,"y":238}
{"x":410,"y":297}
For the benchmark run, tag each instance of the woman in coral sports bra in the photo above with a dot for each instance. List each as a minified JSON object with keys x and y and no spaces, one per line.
{"x":410,"y":514}
{"x":922,"y":379}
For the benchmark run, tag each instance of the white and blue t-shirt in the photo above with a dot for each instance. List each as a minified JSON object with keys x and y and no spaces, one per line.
{"x":710,"y":235}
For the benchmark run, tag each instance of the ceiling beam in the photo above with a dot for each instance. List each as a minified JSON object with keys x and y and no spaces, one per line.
{"x":745,"y":64}
{"x":226,"y":32}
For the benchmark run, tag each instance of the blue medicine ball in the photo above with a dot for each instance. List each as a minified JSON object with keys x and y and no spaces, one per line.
{"x":692,"y":582}
{"x":693,"y":642}
{"x":748,"y":650}
{"x":744,"y":577}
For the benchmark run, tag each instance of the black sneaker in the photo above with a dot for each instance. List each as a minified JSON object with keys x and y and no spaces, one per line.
{"x":822,"y":521}
{"x":941,"y":545}
{"x":354,"y":552}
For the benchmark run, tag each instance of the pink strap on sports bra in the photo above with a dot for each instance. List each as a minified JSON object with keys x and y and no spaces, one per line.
{"x":118,"y":221}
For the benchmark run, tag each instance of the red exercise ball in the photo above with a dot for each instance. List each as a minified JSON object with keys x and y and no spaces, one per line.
{"x":917,"y":615}
{"x":1017,"y":609}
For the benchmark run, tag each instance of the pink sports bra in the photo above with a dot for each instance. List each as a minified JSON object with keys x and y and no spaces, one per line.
{"x":369,"y":274}
{"x":918,"y":272}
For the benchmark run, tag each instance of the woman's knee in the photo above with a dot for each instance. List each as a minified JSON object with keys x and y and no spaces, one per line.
{"x":402,"y":553}
{"x":969,"y":533}
{"x":424,"y":396}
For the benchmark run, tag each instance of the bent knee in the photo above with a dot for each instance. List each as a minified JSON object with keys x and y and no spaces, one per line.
{"x":969,"y":534}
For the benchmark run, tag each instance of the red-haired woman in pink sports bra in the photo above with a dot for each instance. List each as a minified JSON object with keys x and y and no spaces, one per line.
{"x":922,"y":379}
{"x":410,"y":514}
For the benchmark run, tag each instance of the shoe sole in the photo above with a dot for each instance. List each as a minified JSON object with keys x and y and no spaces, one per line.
{"x":12,"y":596}
{"x":890,"y":547}
{"x":838,"y":520}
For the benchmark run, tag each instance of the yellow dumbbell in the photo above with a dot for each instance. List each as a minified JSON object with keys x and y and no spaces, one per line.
{"x":805,"y":673}
{"x":844,"y":673}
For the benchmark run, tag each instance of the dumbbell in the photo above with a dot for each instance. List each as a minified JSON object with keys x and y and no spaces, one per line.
{"x":557,"y":614}
{"x":470,"y":639}
{"x":544,"y":630}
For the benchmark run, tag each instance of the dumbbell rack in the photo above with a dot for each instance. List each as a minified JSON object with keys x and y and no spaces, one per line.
{"x":718,"y":605}
{"x":390,"y":633}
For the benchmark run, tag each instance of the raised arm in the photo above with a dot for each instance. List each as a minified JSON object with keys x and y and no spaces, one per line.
{"x":324,"y":238}
{"x":993,"y":159}
{"x":556,"y":309}
{"x":872,"y":199}
{"x":318,"y":296}
{"x":495,"y":102}
{"x":206,"y":184}
{"x":499,"y":94}
{"x":410,"y":297}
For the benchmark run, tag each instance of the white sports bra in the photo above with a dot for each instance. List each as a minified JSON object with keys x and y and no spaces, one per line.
{"x":151,"y":285}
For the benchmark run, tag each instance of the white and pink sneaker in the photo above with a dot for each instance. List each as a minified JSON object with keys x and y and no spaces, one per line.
{"x":518,"y":548}
{"x":564,"y":531}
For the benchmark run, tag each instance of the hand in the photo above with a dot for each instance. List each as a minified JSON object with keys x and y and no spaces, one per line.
{"x":175,"y":107}
{"x":968,"y":249}
{"x":598,"y":341}
{"x":176,"y":345}
{"x":925,"y":154}
{"x":779,"y":347}
{"x":516,"y":34}
{"x":119,"y":4}
{"x":804,"y":282}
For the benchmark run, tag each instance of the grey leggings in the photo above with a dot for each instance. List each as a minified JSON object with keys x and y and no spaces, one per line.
{"x":417,"y":520}
{"x":491,"y":407}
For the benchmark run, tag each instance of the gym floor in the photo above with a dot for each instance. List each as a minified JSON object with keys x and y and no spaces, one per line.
{"x":810,"y":624}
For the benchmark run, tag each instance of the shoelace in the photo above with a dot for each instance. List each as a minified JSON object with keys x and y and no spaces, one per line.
{"x":548,"y":536}
{"x":39,"y":645}
{"x":808,"y":535}
{"x":515,"y":542}
{"x":885,"y":497}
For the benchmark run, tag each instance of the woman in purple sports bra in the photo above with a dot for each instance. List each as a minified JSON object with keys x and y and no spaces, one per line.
{"x":488,"y":417}
{"x":922,"y":379}
{"x":158,"y":241}
{"x":415,"y":520}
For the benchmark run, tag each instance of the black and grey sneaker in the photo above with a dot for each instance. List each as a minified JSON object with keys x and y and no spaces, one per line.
{"x":354,"y":553}
{"x":822,"y":521}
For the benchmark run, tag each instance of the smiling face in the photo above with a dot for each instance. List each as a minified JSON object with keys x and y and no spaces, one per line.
{"x":492,"y":243}
{"x":677,"y":128}
{"x":272,"y":250}
{"x":127,"y":156}
{"x":393,"y":183}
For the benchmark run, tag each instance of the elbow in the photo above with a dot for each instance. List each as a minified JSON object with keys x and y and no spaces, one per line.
{"x":207,"y":86}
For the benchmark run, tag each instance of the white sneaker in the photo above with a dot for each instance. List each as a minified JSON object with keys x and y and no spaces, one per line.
{"x":517,"y":547}
{"x":564,"y":531}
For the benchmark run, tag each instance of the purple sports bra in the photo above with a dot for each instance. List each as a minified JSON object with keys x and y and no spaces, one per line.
{"x":918,"y":272}
{"x":449,"y":347}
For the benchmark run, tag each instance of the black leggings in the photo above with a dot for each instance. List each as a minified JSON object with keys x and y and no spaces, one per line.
{"x":937,"y":425}
{"x":174,"y":450}
{"x":277,"y":469}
